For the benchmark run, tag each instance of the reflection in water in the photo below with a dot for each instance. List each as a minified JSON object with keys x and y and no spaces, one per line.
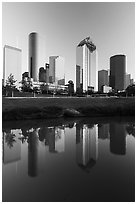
{"x":103,"y":131}
{"x":11,"y":146}
{"x":82,"y":139}
{"x":54,"y":137}
{"x":117,"y":138}
{"x":130,"y":128}
{"x":86,"y":146}
{"x":33,"y":153}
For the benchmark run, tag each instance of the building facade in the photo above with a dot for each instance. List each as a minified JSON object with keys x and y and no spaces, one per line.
{"x":56,"y":70}
{"x":47,"y":72}
{"x":127,"y":80}
{"x":103,"y":79}
{"x":12,"y":63}
{"x":33,"y":56}
{"x":42,"y":74}
{"x":117,"y":72}
{"x":86,"y":65}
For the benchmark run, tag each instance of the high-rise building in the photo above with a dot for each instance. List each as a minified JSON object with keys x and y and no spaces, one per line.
{"x":42,"y":74}
{"x":127,"y":80}
{"x":56,"y":70}
{"x":117,"y":72}
{"x":86,"y":65}
{"x":47,"y":72}
{"x":12,"y":63}
{"x":103,"y":79}
{"x":33,"y":55}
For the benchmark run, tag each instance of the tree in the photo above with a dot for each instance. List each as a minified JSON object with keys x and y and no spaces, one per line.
{"x":130,"y":90}
{"x":10,"y":139}
{"x":27,"y":85}
{"x":70,"y":87}
{"x":44,"y":88}
{"x":10,"y":84}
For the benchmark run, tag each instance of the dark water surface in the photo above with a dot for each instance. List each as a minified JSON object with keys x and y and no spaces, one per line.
{"x":88,"y":159}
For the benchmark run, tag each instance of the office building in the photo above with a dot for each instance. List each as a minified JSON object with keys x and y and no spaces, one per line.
{"x":117,"y":72}
{"x":33,"y":56}
{"x":127,"y":80}
{"x":12,"y":63}
{"x":86,"y":65}
{"x":47,"y":72}
{"x":56,"y":70}
{"x":103,"y":79}
{"x":42,"y":74}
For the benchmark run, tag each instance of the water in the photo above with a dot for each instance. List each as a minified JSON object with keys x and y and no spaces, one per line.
{"x":88,"y":159}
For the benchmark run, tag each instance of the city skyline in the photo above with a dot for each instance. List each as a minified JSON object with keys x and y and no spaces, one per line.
{"x":109,"y":25}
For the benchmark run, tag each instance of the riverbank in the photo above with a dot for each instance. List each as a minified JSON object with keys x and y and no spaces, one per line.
{"x":39,"y":108}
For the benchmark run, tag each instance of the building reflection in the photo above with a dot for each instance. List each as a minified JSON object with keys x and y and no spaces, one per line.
{"x":86,"y":146}
{"x":130,"y":129}
{"x":33,"y":153}
{"x":60,"y":139}
{"x":103,"y":131}
{"x":51,"y":140}
{"x":54,"y":138}
{"x":11,"y":146}
{"x":117,"y":138}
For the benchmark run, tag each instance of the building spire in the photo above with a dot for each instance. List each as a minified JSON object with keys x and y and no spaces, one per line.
{"x":87,"y":41}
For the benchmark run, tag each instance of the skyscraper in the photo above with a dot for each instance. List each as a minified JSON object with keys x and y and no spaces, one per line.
{"x":47,"y":72}
{"x":127,"y":80}
{"x":33,"y":55}
{"x":117,"y":72}
{"x":56,"y":70}
{"x":12,"y":62}
{"x":102,"y":79}
{"x":42,"y":74}
{"x":86,"y":62}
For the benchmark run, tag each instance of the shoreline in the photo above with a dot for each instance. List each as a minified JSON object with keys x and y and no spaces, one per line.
{"x":41,"y":108}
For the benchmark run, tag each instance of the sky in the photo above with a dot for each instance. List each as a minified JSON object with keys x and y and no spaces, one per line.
{"x":62,"y":25}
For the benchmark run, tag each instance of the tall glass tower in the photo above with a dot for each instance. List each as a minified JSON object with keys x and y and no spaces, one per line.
{"x":117,"y":72}
{"x":33,"y":56}
{"x":86,"y":59}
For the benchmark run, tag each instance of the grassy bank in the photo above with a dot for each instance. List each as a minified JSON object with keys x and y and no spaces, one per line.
{"x":32,"y":108}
